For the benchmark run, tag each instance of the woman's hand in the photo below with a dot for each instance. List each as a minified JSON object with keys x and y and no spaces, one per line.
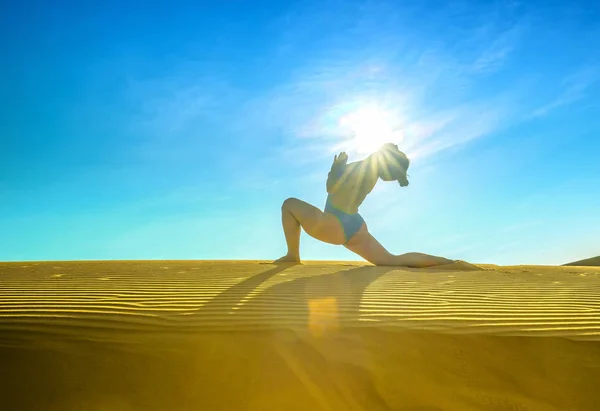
{"x":340,"y":159}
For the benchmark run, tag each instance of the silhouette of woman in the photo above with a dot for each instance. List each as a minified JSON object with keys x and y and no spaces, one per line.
{"x":340,"y":223}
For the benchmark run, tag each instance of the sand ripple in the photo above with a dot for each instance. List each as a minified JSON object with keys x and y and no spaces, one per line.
{"x":195,"y":297}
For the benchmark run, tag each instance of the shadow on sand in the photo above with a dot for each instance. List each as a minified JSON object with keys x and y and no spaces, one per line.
{"x":234,"y":294}
{"x":305,"y":301}
{"x":301,"y":302}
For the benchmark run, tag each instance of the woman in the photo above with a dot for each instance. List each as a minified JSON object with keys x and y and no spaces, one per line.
{"x":348,"y":185}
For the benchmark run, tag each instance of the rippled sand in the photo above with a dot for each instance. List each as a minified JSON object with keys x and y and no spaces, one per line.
{"x":202,"y":335}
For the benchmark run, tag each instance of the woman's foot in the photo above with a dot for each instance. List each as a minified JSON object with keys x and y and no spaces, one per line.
{"x":288,"y":259}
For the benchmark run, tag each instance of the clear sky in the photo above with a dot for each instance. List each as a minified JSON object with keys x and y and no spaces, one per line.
{"x":174,"y":130}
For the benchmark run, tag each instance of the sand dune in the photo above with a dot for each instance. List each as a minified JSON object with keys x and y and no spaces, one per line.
{"x":189,"y":335}
{"x":593,"y":262}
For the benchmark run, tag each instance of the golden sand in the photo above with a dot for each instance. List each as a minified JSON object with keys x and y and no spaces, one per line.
{"x":226,"y":335}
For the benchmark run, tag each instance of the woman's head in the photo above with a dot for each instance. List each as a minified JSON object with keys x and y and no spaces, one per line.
{"x":392,"y":164}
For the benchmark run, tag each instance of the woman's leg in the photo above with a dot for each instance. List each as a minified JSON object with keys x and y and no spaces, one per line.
{"x":366,"y":246}
{"x":295,"y":214}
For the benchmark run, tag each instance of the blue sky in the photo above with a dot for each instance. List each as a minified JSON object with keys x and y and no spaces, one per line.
{"x":174,"y":130}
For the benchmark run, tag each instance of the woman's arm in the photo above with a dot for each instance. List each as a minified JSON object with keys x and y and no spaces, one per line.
{"x":337,"y":171}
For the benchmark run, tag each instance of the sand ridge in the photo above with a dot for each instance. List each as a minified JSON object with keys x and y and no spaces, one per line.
{"x":196,"y":296}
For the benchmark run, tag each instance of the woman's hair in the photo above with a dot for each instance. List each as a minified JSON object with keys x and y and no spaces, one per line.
{"x":392,"y":164}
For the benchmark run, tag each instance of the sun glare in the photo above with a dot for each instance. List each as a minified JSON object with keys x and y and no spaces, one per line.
{"x":371,"y":127}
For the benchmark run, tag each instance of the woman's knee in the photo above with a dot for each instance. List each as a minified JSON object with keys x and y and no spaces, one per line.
{"x":411,"y":255}
{"x":421,"y":260}
{"x":411,"y":259}
{"x":289,"y":203}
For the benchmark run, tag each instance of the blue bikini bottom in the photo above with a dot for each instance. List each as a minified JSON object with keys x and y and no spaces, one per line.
{"x":351,"y":223}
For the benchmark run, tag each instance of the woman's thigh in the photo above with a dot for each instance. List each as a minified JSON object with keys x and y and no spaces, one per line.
{"x":366,"y":246}
{"x":319,"y":225}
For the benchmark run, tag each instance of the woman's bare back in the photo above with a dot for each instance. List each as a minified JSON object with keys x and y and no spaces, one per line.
{"x":349,"y":184}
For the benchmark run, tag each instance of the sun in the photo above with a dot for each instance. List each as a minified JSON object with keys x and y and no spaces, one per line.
{"x":370,"y":127}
